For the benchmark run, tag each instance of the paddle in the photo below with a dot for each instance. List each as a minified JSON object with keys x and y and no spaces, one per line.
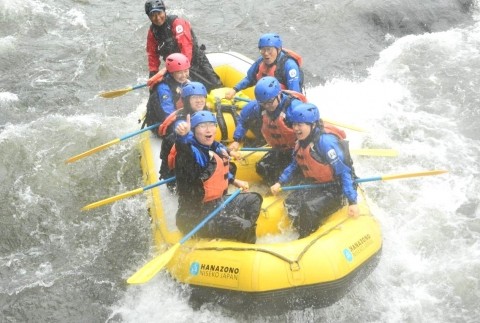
{"x":126,"y":194}
{"x":361,"y":152}
{"x":369,"y":179}
{"x":335,"y":123}
{"x":110,"y":143}
{"x":120,"y":92}
{"x":148,"y":271}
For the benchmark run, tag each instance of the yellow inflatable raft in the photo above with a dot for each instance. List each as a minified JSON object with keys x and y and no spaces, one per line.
{"x":269,"y":278}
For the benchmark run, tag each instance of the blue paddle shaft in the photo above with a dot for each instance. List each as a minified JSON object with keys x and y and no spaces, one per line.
{"x":130,"y":135}
{"x":168,"y":180}
{"x":138,"y":86}
{"x":210,"y":216}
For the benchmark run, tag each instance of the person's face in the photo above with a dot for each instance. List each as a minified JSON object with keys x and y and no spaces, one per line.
{"x":302,"y":130}
{"x":157,"y":17}
{"x":205,"y":133}
{"x":197,"y":102}
{"x":271,"y":104}
{"x":181,"y":76}
{"x":269,"y":54}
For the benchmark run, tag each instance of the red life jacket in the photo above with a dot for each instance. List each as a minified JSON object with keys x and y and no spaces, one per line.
{"x":162,"y":129}
{"x":296,"y":95}
{"x":277,"y":133}
{"x":311,"y":163}
{"x":279,"y":73}
{"x":217,"y":184}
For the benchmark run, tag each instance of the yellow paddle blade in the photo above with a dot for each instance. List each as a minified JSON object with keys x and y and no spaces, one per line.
{"x":374,"y":152}
{"x":115,"y":93}
{"x":112,"y":199}
{"x":91,"y":151}
{"x":148,"y":271}
{"x":417,"y":174}
{"x":343,"y":125}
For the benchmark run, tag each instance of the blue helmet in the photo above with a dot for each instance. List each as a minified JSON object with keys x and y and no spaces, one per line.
{"x":270,"y":40}
{"x":305,"y":113}
{"x":154,"y":5}
{"x":267,"y":88}
{"x":193,"y":88}
{"x":201,"y":117}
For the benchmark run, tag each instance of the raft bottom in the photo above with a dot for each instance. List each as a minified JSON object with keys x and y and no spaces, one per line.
{"x":283,"y":300}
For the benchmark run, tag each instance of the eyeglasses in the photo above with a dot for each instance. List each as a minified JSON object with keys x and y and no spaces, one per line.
{"x":267,"y":49}
{"x":268,"y":102}
{"x":207,"y":125}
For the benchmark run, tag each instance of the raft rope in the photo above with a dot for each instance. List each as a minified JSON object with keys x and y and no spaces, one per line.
{"x":287,"y":260}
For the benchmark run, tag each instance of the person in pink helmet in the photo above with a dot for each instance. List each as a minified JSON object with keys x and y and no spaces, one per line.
{"x":166,"y":95}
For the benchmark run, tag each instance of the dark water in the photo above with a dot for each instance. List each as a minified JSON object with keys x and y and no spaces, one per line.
{"x":407,"y":71}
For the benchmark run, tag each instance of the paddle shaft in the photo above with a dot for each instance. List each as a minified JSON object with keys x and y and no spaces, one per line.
{"x":150,"y":269}
{"x":120,"y":92}
{"x":325,"y":120}
{"x":210,"y":216}
{"x":110,"y":143}
{"x":363,"y":151}
{"x":367,"y":179}
{"x":126,"y":194}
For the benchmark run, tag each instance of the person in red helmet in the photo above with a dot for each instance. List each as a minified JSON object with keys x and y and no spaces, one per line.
{"x":166,"y":95}
{"x":170,"y":34}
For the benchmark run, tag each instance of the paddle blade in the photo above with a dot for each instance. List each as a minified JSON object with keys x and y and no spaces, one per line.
{"x":417,"y":174}
{"x":375,"y":152}
{"x":343,"y":125}
{"x":91,"y":151}
{"x":115,"y":93}
{"x":148,"y":271}
{"x":112,"y":199}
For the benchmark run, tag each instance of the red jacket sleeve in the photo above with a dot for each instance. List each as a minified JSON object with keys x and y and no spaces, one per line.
{"x":153,"y":60}
{"x":182,"y":32}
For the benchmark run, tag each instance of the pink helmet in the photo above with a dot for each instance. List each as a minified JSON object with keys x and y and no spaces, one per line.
{"x":177,"y":62}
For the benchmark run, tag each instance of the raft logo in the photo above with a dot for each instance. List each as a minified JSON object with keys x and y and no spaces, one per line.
{"x":217,"y":271}
{"x":360,"y":244}
{"x":348,"y":255}
{"x":194,"y":268}
{"x":226,"y":274}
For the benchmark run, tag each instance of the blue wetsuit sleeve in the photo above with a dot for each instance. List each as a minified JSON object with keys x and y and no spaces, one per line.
{"x":292,"y":75}
{"x":165,"y":98}
{"x":330,"y":148}
{"x":250,"y":79}
{"x":250,"y":111}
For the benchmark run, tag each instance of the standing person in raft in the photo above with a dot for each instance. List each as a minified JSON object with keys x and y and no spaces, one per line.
{"x":169,"y":34}
{"x":322,"y":155}
{"x":165,"y":97}
{"x":203,"y":176}
{"x":272,"y":108}
{"x":276,"y":61}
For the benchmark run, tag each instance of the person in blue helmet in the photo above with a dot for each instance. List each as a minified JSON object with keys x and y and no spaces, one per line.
{"x":194,"y":98}
{"x":268,"y":115}
{"x":203,"y":175}
{"x":276,"y":61}
{"x":321,"y":154}
{"x":166,"y":95}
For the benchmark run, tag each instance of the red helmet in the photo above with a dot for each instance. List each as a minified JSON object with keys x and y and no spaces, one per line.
{"x":177,"y":62}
